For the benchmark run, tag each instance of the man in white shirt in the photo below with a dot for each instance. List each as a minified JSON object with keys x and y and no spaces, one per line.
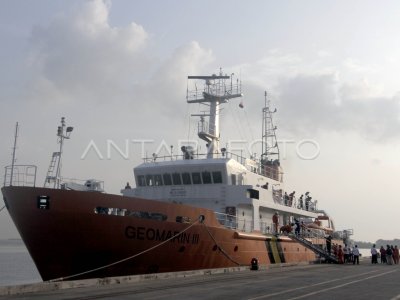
{"x":356,"y":255}
{"x":374,"y":255}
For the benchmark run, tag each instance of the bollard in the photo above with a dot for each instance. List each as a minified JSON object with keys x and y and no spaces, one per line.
{"x":254,"y":264}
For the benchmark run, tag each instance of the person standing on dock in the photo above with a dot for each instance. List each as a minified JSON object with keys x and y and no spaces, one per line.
{"x":383,"y":255}
{"x":356,"y":255}
{"x":374,"y":255}
{"x":346,"y":254}
{"x":396,"y":255}
{"x":389,"y":254}
{"x":340,"y":255}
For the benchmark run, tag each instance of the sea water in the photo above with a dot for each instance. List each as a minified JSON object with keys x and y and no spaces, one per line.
{"x":16,"y":265}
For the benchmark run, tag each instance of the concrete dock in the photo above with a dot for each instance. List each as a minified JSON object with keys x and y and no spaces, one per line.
{"x":317,"y":281}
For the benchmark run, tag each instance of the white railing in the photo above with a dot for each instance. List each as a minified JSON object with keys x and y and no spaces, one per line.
{"x":267,"y":227}
{"x":233,"y":222}
{"x":20,"y":175}
{"x":196,"y":155}
{"x":217,"y":90}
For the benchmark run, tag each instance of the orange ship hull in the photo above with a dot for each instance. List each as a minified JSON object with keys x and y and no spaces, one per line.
{"x":70,"y":236}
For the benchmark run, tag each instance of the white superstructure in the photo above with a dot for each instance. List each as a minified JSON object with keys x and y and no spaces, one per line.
{"x":246,"y":192}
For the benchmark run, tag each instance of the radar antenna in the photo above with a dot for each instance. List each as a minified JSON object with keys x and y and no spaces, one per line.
{"x":216,"y":92}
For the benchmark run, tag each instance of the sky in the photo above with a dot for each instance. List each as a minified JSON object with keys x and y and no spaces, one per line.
{"x":117,"y":71}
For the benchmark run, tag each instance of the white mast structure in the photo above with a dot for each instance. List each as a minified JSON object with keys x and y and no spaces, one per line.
{"x":215,"y":92}
{"x":63,"y":132}
{"x":270,"y":163}
{"x":13,"y":154}
{"x":270,"y":149}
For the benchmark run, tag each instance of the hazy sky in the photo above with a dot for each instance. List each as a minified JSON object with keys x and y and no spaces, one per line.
{"x":117,"y":71}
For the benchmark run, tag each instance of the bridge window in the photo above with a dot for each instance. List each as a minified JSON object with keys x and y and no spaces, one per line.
{"x":233,"y":179}
{"x":196,"y":178}
{"x":186,"y":178}
{"x":206,"y":177}
{"x":253,"y":194}
{"x":167,"y":179}
{"x":176,"y":179}
{"x":149,"y":180}
{"x":217,"y":177}
{"x":141,"y":181}
{"x":157,"y":180}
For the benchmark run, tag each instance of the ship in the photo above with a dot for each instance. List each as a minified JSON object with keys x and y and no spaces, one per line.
{"x":187,"y":211}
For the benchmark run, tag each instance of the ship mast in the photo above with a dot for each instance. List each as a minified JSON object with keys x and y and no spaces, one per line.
{"x":13,"y":154}
{"x":270,"y":149}
{"x":63,"y":132}
{"x":216,"y":92}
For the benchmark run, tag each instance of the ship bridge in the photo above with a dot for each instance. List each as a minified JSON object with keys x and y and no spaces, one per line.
{"x":224,"y":185}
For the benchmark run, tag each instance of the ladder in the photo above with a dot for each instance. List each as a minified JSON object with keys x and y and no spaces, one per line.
{"x":52,"y":175}
{"x":315,"y":248}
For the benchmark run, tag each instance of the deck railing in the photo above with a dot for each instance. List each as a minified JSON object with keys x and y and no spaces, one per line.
{"x":20,"y":175}
{"x":246,"y":225}
{"x":233,"y":222}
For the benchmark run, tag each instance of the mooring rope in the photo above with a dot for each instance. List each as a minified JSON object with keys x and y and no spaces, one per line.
{"x":2,"y":208}
{"x":200,"y":219}
{"x":219,"y":248}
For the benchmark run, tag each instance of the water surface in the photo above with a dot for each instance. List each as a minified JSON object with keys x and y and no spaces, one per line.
{"x":16,"y":265}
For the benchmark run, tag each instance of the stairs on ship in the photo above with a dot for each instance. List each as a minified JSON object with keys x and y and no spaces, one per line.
{"x":318,"y":250}
{"x":51,"y":176}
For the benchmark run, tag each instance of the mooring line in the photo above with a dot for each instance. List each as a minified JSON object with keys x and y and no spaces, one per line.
{"x":200,"y":219}
{"x":220,"y":249}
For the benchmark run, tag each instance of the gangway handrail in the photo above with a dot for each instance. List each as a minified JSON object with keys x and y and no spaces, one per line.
{"x":315,"y":248}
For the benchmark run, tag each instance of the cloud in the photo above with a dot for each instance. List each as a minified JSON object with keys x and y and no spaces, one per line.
{"x":171,"y":76}
{"x":80,"y":54}
{"x":80,"y":58}
{"x":307,"y":102}
{"x":308,"y":105}
{"x":313,"y":96}
{"x":105,"y":81}
{"x":355,"y":66}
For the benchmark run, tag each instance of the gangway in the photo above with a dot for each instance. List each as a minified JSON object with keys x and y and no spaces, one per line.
{"x":318,"y":250}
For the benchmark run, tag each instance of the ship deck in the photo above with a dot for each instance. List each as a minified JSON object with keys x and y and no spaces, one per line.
{"x":316,"y":281}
